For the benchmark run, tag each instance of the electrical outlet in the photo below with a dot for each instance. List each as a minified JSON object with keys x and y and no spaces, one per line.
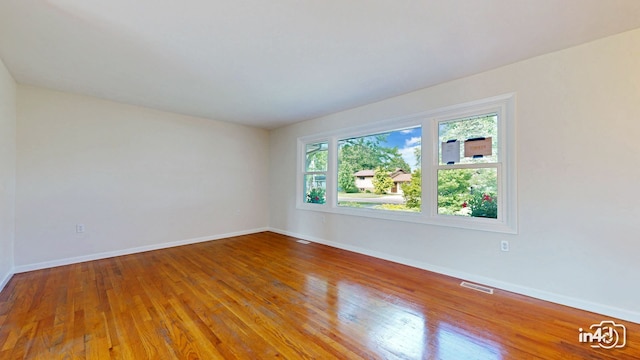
{"x":504,"y":245}
{"x":79,"y":228}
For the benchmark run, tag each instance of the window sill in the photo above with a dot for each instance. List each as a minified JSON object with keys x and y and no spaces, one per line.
{"x":462,"y":222}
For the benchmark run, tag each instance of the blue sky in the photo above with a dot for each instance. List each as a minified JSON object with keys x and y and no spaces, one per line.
{"x":406,"y":141}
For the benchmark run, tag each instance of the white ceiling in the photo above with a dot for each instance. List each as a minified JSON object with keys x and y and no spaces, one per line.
{"x":268,"y":63}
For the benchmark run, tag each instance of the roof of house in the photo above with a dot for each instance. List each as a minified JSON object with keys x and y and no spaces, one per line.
{"x":397,"y":172}
{"x":398,"y":176}
{"x":365,"y":173}
{"x":402,"y":178}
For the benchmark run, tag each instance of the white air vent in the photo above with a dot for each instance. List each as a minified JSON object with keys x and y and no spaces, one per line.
{"x":477,"y":287}
{"x":304,"y":242}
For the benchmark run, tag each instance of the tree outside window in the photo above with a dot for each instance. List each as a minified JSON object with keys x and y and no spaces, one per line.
{"x":315,"y":172}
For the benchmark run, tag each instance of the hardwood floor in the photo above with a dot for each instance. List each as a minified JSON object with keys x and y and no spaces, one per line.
{"x":267,"y":296}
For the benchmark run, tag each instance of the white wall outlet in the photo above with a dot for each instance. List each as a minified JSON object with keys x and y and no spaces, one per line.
{"x":504,"y":245}
{"x":79,"y":228}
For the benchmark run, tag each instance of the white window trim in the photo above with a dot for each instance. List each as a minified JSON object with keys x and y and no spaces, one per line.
{"x":506,"y":222}
{"x":302,"y":171}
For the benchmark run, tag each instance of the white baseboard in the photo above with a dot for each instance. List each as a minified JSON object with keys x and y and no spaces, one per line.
{"x":623,"y":314}
{"x":109,"y":254}
{"x":5,"y":280}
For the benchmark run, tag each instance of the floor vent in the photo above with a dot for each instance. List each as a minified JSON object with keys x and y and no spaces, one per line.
{"x":477,"y":287}
{"x":304,"y":242}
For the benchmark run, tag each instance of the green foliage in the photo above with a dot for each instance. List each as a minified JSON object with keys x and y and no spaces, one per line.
{"x":484,"y":180}
{"x":482,"y":205}
{"x":316,"y":196}
{"x":358,"y":153}
{"x":351,"y":204}
{"x":484,"y":126}
{"x":317,"y":157}
{"x":417,"y":152}
{"x":395,"y":160}
{"x":457,"y":186}
{"x":346,"y":180}
{"x":395,"y":207}
{"x":453,"y":189}
{"x":368,"y":152}
{"x":412,"y":192}
{"x":382,"y":182}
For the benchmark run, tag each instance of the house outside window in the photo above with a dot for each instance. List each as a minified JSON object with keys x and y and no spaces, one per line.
{"x":374,"y":168}
{"x":454,"y":166}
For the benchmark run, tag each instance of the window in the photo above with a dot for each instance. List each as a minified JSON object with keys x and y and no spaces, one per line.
{"x":315,"y":173}
{"x":378,"y":171}
{"x":467,"y":172}
{"x":454,"y":167}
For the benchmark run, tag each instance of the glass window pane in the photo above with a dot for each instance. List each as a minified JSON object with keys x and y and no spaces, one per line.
{"x":484,"y":126}
{"x":468,"y":192}
{"x":381,"y":171}
{"x":315,"y":188}
{"x":316,"y":157}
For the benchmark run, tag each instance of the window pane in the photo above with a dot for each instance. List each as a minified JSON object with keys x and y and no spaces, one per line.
{"x":316,"y":157}
{"x":381,"y":171}
{"x":315,"y":186}
{"x":484,"y":126}
{"x":468,"y":192}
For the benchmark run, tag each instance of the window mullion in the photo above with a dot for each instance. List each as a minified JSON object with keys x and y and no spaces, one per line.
{"x":496,"y":179}
{"x":332,"y":173}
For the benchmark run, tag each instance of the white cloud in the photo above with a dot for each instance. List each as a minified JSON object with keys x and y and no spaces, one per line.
{"x":407,"y":131}
{"x":413,"y":141}
{"x":409,"y":156}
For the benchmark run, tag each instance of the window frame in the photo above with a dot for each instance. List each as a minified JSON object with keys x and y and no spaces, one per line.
{"x":302,"y":149}
{"x":363,"y":131}
{"x":503,"y":106}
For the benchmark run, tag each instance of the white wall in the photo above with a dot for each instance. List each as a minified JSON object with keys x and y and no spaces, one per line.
{"x":7,"y":172}
{"x":578,"y":145}
{"x":136,"y":178}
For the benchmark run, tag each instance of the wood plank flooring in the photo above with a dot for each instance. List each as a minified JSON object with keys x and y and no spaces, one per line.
{"x":266,"y":296}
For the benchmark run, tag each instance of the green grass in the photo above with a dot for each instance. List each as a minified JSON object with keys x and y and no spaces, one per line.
{"x":353,"y":204}
{"x":396,"y":207}
{"x":392,"y":207}
{"x":359,"y":195}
